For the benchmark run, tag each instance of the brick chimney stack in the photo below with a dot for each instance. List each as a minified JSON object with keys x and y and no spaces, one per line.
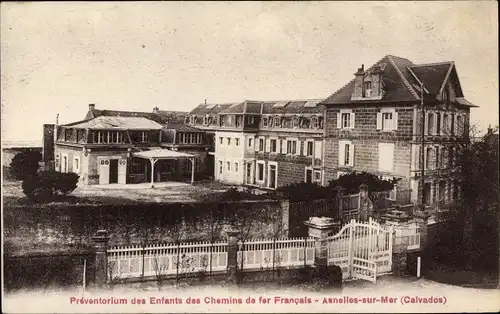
{"x":357,"y":92}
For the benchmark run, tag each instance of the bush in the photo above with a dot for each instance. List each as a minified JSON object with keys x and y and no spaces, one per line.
{"x":25,"y":164}
{"x":305,"y":191}
{"x":351,"y":182}
{"x":49,"y":185}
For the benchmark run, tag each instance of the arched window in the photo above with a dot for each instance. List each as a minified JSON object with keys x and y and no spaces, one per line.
{"x":264,"y":122}
{"x":277,"y":122}
{"x":193,"y":119}
{"x":314,"y":123}
{"x":295,"y":122}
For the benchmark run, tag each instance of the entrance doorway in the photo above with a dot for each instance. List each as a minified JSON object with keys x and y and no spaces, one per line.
{"x":249,"y":173}
{"x":113,"y":171}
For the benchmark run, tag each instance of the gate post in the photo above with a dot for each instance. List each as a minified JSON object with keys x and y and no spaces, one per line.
{"x":365,"y":205}
{"x":321,"y":228}
{"x":232,"y":255}
{"x":101,"y":240}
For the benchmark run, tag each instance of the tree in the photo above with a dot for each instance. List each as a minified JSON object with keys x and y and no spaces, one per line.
{"x":477,"y":168}
{"x":351,"y":182}
{"x":25,"y":164}
{"x":49,"y":185}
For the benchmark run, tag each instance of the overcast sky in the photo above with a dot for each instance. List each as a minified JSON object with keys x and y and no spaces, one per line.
{"x":59,"y":57}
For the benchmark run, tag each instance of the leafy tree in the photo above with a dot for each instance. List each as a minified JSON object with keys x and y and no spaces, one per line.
{"x":25,"y":164}
{"x":49,"y":185}
{"x":477,"y":167}
{"x":351,"y":182}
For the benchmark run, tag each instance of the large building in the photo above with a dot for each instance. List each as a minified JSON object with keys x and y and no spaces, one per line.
{"x":265,"y":143}
{"x":373,"y":124}
{"x":130,"y":147}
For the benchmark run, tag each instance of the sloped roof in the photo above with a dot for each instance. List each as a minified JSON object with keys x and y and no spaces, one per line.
{"x":432,"y":75}
{"x":396,"y":83}
{"x":293,"y":107}
{"x":204,"y":109}
{"x":118,"y":123}
{"x":161,"y":117}
{"x":181,"y":127}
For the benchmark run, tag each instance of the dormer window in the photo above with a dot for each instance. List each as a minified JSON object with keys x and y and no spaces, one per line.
{"x":276,"y":121}
{"x":206,"y":120}
{"x":368,"y":89}
{"x":314,"y":122}
{"x":295,"y":122}
{"x":193,"y":120}
{"x":264,"y":122}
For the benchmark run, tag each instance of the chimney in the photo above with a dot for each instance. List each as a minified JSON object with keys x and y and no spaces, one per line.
{"x":205,"y":101}
{"x":156,"y":110}
{"x":376,"y":77}
{"x":490,"y":130}
{"x":357,"y":92}
{"x":91,"y":107}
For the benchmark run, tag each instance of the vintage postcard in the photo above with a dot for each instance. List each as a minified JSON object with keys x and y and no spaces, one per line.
{"x":265,"y":156}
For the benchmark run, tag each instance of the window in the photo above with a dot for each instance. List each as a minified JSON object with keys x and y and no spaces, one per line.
{"x":222,"y":121}
{"x":238,"y":121}
{"x":220,"y":167}
{"x":228,"y":166}
{"x":228,"y":141}
{"x":310,"y":146}
{"x":317,"y":175}
{"x":318,"y":152}
{"x":291,"y":147}
{"x":438,"y":124}
{"x":144,"y":137}
{"x":260,"y":171}
{"x":429,"y":158}
{"x":346,"y":153}
{"x":236,"y":166}
{"x":273,"y":146}
{"x":249,"y":142}
{"x":368,"y":89}
{"x":295,"y":122}
{"x":250,"y":120}
{"x":281,"y":146}
{"x":261,"y":144}
{"x":276,"y":122}
{"x":264,"y":122}
{"x":430,"y":124}
{"x":221,"y":139}
{"x":438,"y":158}
{"x":237,"y":141}
{"x":76,"y":165}
{"x":314,"y":122}
{"x":345,"y":119}
{"x":385,"y":157}
{"x":445,"y":130}
{"x":64,"y":164}
{"x":459,"y":126}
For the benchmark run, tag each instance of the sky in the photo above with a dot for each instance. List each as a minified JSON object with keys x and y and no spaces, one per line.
{"x":58,"y":57}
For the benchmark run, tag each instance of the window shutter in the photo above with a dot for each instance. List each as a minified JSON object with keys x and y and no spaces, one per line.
{"x":285,"y":146}
{"x":379,"y":121}
{"x":351,"y":116}
{"x":268,"y":145}
{"x":443,"y":126}
{"x":341,"y":153}
{"x":416,"y":158}
{"x":434,"y":129}
{"x":339,"y":120}
{"x":351,"y":155}
{"x":394,"y":120}
{"x":426,"y":124}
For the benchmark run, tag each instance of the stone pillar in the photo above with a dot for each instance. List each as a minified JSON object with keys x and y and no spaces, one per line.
{"x":101,"y":240}
{"x":232,"y":255}
{"x":321,"y":228}
{"x":421,"y":217}
{"x":399,"y":251}
{"x":339,"y":191}
{"x":366,"y":208}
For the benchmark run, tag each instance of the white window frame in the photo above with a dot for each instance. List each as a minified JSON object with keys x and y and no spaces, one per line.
{"x":76,"y":161}
{"x":221,"y":140}
{"x":295,"y":122}
{"x":269,"y":164}
{"x":228,"y":141}
{"x":314,"y":123}
{"x":271,"y":145}
{"x":144,"y":137}
{"x":264,"y":122}
{"x":276,"y":122}
{"x":262,"y":144}
{"x":250,"y":140}
{"x":64,"y":167}
{"x":235,"y":166}
{"x":342,"y":153}
{"x":228,"y":164}
{"x":263,"y":163}
{"x":320,"y":175}
{"x":350,"y":121}
{"x":237,"y":141}
{"x":307,"y":148}
{"x":387,"y":124}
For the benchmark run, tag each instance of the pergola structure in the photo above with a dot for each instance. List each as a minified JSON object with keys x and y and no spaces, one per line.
{"x":159,"y":154}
